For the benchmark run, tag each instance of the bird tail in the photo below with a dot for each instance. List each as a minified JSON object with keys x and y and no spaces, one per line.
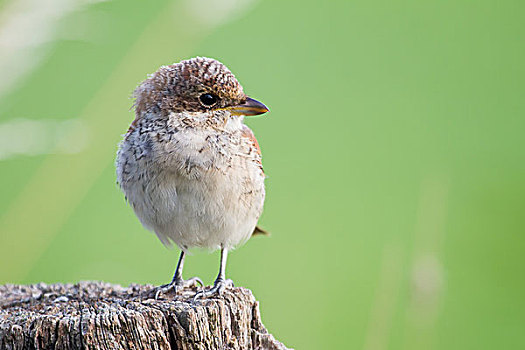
{"x":260,"y":231}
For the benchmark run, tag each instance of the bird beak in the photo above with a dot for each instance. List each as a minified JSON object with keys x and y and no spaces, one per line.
{"x":250,"y":107}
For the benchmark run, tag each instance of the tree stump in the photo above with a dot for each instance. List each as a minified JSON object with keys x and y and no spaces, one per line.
{"x":95,"y":315}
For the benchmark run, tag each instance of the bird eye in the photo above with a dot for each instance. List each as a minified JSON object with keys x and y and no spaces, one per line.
{"x":208,"y":99}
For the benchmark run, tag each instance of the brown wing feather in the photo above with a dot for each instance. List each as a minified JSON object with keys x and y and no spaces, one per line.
{"x":246,"y":132}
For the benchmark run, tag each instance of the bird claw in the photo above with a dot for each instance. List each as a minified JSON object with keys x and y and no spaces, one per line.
{"x":178,"y":286}
{"x":218,"y":289}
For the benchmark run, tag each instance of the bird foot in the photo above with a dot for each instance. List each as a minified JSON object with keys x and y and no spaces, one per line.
{"x":178,"y":285}
{"x":218,"y":288}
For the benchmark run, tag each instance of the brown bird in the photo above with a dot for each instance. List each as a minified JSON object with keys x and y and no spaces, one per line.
{"x":189,"y":166}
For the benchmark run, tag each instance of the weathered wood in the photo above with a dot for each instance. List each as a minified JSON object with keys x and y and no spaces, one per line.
{"x":95,"y":315}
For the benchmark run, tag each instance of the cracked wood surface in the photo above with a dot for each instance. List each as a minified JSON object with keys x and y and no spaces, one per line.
{"x":95,"y":315}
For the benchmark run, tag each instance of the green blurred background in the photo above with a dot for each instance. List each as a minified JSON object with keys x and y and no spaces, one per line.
{"x":394,"y":151}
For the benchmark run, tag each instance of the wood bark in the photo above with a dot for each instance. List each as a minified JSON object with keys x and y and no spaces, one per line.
{"x":95,"y":315}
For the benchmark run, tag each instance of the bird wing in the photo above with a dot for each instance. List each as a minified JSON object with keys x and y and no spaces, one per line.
{"x":248,"y":133}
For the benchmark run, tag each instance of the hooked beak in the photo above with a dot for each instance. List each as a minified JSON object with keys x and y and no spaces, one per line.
{"x":250,"y":107}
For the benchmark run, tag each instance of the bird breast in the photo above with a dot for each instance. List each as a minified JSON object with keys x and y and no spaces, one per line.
{"x":194,"y":185}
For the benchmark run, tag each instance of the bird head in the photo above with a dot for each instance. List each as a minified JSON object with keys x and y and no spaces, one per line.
{"x":200,"y":85}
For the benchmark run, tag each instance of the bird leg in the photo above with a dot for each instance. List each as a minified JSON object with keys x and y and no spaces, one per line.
{"x":221,"y":283}
{"x":177,"y":283}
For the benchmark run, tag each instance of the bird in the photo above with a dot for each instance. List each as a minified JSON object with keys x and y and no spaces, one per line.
{"x":189,"y":166}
